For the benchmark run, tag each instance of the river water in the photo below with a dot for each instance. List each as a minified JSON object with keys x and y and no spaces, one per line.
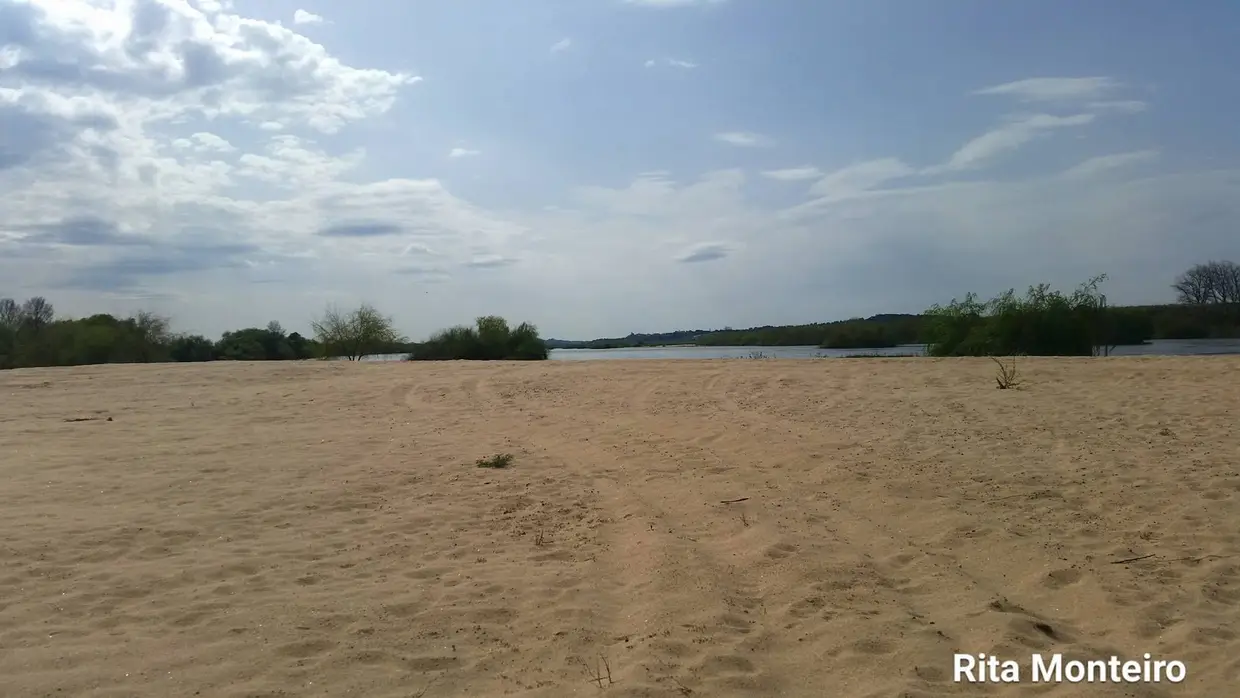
{"x":1158,"y":347}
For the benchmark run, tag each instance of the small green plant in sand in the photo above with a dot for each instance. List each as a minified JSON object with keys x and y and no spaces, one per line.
{"x":498,"y":461}
{"x":1006,"y":377}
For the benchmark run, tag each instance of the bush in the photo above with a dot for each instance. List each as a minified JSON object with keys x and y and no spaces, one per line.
{"x":498,"y":461}
{"x":1043,"y":323}
{"x":489,"y":340}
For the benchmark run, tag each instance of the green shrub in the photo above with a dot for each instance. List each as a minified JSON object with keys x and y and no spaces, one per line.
{"x":1042,"y":323}
{"x":489,"y":340}
{"x":498,"y":461}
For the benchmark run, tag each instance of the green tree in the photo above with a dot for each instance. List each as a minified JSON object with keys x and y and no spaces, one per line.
{"x":525,"y":345}
{"x":490,"y":339}
{"x":193,"y":347}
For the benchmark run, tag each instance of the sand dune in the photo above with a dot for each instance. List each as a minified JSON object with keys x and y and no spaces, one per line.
{"x":321,"y":530}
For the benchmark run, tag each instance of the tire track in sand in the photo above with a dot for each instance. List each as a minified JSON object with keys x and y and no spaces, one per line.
{"x":638,"y":620}
{"x":662,"y":545}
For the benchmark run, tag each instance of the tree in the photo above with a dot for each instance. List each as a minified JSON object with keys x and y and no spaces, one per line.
{"x":300,"y":346}
{"x":192,"y":347}
{"x":1211,"y":282}
{"x":524,"y":344}
{"x":152,"y":336}
{"x":490,"y":339}
{"x":355,"y":335}
{"x":10,"y":314}
{"x":493,"y":337}
{"x":37,"y":313}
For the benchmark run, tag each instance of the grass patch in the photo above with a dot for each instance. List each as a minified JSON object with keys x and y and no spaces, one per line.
{"x":498,"y":461}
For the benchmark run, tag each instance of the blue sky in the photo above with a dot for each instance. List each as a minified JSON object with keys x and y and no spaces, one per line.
{"x":605,"y":166}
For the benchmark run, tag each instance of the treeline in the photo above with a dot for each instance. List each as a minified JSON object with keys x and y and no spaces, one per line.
{"x":870,"y":333}
{"x":1208,"y":307}
{"x":650,"y":339}
{"x":1125,"y":325}
{"x":876,"y":331}
{"x":31,"y":336}
{"x":1043,"y":321}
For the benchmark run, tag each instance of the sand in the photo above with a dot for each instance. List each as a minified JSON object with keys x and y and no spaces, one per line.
{"x":320,"y":529}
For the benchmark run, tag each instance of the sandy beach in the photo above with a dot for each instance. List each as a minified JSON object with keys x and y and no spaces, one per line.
{"x":666,"y":528}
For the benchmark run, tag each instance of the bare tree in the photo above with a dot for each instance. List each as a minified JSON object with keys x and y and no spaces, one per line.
{"x":10,"y":314}
{"x":1228,"y":282}
{"x":355,"y":335}
{"x":37,"y":313}
{"x":1211,"y":282}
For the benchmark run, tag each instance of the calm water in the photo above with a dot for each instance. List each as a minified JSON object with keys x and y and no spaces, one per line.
{"x":1159,"y":347}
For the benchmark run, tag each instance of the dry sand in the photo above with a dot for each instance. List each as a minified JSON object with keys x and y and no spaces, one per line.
{"x":320,"y":529}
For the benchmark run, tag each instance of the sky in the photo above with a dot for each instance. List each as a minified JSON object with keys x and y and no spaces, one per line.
{"x":601,"y":167}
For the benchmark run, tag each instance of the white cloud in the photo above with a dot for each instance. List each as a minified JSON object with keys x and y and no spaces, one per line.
{"x":171,"y":140}
{"x":462,"y":153}
{"x":561,"y":45}
{"x":304,"y":17}
{"x":859,"y":178}
{"x":203,"y":142}
{"x":793,"y":174}
{"x":672,"y":62}
{"x":1105,"y":163}
{"x":1006,"y":138}
{"x":1053,"y":89}
{"x":657,"y":194}
{"x":743,"y":139}
{"x":177,"y":60}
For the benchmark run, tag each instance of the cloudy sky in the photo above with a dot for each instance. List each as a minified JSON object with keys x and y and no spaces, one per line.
{"x":605,"y":166}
